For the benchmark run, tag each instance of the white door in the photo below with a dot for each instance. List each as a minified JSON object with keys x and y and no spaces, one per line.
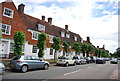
{"x":4,"y":47}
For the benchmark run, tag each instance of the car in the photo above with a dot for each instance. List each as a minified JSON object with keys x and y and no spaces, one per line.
{"x":2,"y":68}
{"x":79,"y":60}
{"x":88,"y":60}
{"x":93,"y":58}
{"x":114,"y":60}
{"x":100,"y":61}
{"x":26,"y":62}
{"x":118,"y":58}
{"x":65,"y":61}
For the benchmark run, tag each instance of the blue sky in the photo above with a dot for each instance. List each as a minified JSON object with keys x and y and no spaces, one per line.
{"x":97,"y":19}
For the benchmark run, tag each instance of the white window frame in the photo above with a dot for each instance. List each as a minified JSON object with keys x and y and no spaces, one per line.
{"x":33,"y":49}
{"x":68,"y":35}
{"x":62,"y":34}
{"x":51,"y":50}
{"x":51,"y":39}
{"x":41,"y":27}
{"x":11,"y":16}
{"x":75,"y":38}
{"x":35,"y":38}
{"x":6,"y":25}
{"x":11,"y":48}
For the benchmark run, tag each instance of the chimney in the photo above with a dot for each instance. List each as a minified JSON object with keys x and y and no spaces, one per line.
{"x":97,"y":46}
{"x":88,"y":39}
{"x":103,"y":47}
{"x":21,"y":8}
{"x":66,"y":27}
{"x":43,"y":18}
{"x":50,"y":20}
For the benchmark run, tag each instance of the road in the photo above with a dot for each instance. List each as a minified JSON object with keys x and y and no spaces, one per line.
{"x":87,"y":71}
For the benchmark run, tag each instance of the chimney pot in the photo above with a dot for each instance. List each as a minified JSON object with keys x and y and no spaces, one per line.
{"x":66,"y":27}
{"x":21,"y":8}
{"x":50,"y":20}
{"x":43,"y":17}
{"x":88,"y":39}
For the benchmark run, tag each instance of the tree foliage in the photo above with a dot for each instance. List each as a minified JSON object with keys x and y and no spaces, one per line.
{"x":41,"y":44}
{"x":56,"y":45}
{"x":90,"y":48}
{"x":65,"y":46}
{"x":19,"y":40}
{"x":84,"y":48}
{"x":77,"y":47}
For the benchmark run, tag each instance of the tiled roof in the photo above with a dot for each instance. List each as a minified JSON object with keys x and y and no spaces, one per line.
{"x":31,"y":23}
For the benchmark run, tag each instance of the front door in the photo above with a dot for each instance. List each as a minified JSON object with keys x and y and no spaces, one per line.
{"x":4,"y":47}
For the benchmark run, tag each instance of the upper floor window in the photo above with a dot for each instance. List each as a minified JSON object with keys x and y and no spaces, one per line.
{"x":35,"y":35}
{"x":51,"y":39}
{"x":41,"y":27}
{"x":75,"y":38}
{"x":68,"y":35}
{"x":63,"y":34}
{"x":8,"y":12}
{"x":5,"y":29}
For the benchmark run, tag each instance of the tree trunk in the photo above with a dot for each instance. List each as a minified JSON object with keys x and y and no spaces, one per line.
{"x":55,"y":55}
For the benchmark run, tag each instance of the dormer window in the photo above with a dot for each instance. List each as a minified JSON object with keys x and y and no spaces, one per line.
{"x":62,"y":34}
{"x":75,"y":38}
{"x":68,"y":35}
{"x":8,"y":12}
{"x":41,"y":27}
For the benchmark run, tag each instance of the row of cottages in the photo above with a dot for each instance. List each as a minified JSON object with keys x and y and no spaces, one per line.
{"x":13,"y":20}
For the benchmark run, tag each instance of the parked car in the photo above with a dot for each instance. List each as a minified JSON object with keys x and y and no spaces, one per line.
{"x":79,"y":60}
{"x":93,"y":58}
{"x":26,"y":62}
{"x":114,"y":60}
{"x":88,"y":60}
{"x":65,"y":61}
{"x":107,"y":59}
{"x":118,"y":58}
{"x":100,"y":61}
{"x":2,"y":68}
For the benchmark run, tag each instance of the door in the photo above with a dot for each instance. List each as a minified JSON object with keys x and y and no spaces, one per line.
{"x":4,"y":47}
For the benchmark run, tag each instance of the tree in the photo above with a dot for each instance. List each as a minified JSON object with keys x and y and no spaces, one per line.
{"x":65,"y":46}
{"x":41,"y":44}
{"x":77,"y":47}
{"x":84,"y":48}
{"x":118,"y":51}
{"x":19,"y":40}
{"x":97,"y":52}
{"x":56,"y":46}
{"x":90,"y":48}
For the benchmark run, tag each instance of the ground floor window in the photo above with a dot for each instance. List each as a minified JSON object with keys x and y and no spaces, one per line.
{"x":34,"y":50}
{"x":51,"y":51}
{"x":11,"y":47}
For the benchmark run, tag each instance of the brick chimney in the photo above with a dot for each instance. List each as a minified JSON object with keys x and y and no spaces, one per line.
{"x":21,"y":8}
{"x":88,"y":39}
{"x":103,"y":47}
{"x":66,"y":27}
{"x":97,"y":46}
{"x":43,"y":18}
{"x":50,"y":20}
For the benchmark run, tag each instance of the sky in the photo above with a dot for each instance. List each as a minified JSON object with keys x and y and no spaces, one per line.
{"x":97,"y":19}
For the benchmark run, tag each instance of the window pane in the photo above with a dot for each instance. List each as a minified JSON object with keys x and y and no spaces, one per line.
{"x":34,"y":50}
{"x":51,"y":51}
